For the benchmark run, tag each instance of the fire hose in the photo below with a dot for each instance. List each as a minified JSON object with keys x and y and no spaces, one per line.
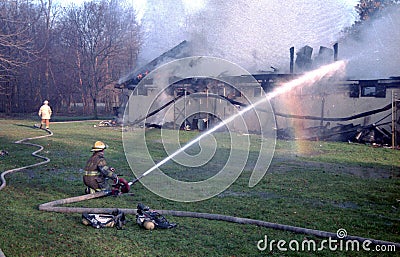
{"x":46,"y":160}
{"x":23,"y":141}
{"x":54,"y":207}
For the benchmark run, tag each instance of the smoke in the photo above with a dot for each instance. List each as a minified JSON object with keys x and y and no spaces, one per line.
{"x":374,"y":52}
{"x":251,"y":33}
{"x":163,"y":23}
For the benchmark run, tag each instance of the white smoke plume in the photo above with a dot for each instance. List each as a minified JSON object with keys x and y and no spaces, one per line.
{"x":374,"y":53}
{"x":251,"y":33}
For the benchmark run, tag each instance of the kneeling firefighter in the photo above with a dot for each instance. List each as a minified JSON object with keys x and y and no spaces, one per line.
{"x":97,"y":172}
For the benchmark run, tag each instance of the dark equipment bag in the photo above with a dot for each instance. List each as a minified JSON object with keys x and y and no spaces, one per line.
{"x":144,"y":213}
{"x":116,"y":219}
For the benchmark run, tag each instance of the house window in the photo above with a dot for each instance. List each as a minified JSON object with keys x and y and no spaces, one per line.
{"x":371,"y":88}
{"x":373,"y":91}
{"x":368,"y":91}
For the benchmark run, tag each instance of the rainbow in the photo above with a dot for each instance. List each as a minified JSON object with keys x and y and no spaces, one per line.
{"x":287,"y":91}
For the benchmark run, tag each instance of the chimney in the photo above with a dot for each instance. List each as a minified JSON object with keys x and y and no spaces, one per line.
{"x":291,"y":59}
{"x":335,"y":51}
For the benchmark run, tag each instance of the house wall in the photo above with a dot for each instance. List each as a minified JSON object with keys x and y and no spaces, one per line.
{"x":325,"y":100}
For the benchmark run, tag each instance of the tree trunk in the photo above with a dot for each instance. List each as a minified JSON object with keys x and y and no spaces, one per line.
{"x":95,"y":115}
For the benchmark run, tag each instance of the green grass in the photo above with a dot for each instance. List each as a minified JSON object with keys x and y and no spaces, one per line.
{"x":316,"y":185}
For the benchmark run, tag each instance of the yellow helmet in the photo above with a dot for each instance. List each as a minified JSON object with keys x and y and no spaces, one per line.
{"x":98,"y":146}
{"x":149,"y":225}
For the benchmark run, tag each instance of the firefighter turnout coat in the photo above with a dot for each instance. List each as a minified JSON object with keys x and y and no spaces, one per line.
{"x":45,"y":112}
{"x":97,"y":171}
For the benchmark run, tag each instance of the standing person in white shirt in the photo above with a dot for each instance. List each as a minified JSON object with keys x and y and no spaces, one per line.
{"x":45,"y":113}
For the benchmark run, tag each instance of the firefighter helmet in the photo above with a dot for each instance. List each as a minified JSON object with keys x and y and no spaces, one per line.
{"x":99,"y":146}
{"x":149,"y":225}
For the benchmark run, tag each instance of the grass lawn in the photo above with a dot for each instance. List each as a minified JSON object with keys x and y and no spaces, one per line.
{"x":317,"y":185}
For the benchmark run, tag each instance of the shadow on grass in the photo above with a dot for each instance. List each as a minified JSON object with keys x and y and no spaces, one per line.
{"x":35,"y":126}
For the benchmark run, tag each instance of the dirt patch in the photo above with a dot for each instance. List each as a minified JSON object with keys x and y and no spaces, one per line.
{"x":288,"y":163}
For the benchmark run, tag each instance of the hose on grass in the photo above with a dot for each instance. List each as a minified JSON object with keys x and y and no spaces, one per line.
{"x":54,"y":207}
{"x":46,"y":160}
{"x":24,"y":141}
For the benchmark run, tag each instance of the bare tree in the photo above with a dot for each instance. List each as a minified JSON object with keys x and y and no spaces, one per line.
{"x":39,"y":77}
{"x":370,"y":8}
{"x":99,"y":34}
{"x":16,"y":46}
{"x":78,"y":53}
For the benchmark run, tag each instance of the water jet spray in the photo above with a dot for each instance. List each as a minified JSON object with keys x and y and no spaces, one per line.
{"x":306,"y":79}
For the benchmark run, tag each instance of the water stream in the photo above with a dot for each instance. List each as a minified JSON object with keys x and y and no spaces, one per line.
{"x":307,"y":79}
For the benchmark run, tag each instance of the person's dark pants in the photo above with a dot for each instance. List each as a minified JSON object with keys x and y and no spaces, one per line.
{"x":96,"y":183}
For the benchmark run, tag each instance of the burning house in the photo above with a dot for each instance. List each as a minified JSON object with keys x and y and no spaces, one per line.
{"x":331,"y":109}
